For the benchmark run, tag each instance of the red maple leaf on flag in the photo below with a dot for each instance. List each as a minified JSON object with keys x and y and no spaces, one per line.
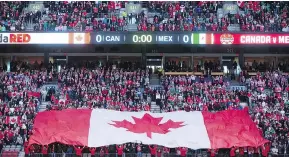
{"x":148,"y":124}
{"x":13,"y":120}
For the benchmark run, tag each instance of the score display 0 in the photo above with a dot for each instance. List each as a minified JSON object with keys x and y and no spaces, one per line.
{"x":147,"y":38}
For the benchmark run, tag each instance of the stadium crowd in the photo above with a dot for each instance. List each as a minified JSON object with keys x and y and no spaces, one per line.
{"x":253,"y":16}
{"x":102,"y":88}
{"x":81,"y":16}
{"x":12,"y":17}
{"x":129,"y":90}
{"x":182,"y":66}
{"x":123,"y":90}
{"x":19,"y":104}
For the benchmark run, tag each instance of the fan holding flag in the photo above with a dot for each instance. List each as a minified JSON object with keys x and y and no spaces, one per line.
{"x":13,"y":120}
{"x":62,"y":102}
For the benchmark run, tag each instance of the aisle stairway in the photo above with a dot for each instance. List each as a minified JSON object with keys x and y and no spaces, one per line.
{"x":21,"y":154}
{"x":26,"y":24}
{"x":155,"y":84}
{"x":154,"y":79}
{"x":132,"y":27}
{"x":33,"y":7}
{"x":155,"y":108}
{"x":42,"y":106}
{"x":53,"y":84}
{"x":234,"y":83}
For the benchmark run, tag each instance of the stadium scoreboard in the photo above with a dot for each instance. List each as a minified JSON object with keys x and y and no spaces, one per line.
{"x":165,"y":38}
{"x":152,"y":38}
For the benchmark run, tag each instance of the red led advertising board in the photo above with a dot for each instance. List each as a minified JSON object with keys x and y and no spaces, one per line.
{"x":165,"y":38}
{"x":248,"y":39}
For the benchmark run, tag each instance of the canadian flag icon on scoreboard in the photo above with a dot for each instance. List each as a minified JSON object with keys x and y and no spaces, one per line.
{"x":12,"y":119}
{"x":79,"y":38}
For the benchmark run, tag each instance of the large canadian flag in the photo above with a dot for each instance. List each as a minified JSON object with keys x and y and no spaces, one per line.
{"x":13,"y":119}
{"x":196,"y":130}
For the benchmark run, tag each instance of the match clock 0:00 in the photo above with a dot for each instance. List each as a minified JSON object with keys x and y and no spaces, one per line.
{"x":142,"y":38}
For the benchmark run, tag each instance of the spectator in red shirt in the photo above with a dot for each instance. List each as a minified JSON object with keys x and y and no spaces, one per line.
{"x":45,"y":151}
{"x":92,"y":151}
{"x":232,"y":152}
{"x":78,"y":151}
{"x":225,"y":27}
{"x":265,"y":149}
{"x":183,"y":151}
{"x":119,"y":149}
{"x":214,"y":27}
{"x":144,"y":27}
{"x":153,"y":150}
{"x":27,"y":150}
{"x":186,"y":27}
{"x":113,"y":19}
{"x":241,"y":151}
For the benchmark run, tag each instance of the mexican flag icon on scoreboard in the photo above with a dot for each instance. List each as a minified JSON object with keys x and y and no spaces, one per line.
{"x":202,"y":38}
